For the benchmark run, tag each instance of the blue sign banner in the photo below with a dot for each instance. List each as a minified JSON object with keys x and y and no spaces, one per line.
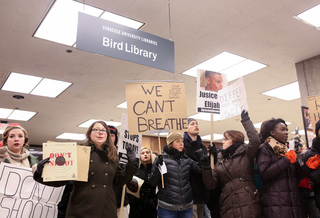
{"x":111,"y":39}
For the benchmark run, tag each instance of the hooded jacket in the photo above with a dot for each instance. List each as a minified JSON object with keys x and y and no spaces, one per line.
{"x":177,"y":193}
{"x":239,"y":197}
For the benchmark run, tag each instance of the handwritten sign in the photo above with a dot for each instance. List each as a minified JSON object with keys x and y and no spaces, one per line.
{"x":233,"y":99}
{"x":156,"y":106}
{"x":314,"y":109}
{"x":21,"y":196}
{"x":68,"y":161}
{"x":127,"y":140}
{"x":209,"y":84}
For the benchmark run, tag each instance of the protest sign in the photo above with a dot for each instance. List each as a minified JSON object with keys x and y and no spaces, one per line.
{"x":233,"y":99}
{"x":208,"y":85}
{"x":156,"y":106}
{"x":314,"y":109}
{"x":22,"y":196}
{"x":68,"y":161}
{"x":125,"y":139}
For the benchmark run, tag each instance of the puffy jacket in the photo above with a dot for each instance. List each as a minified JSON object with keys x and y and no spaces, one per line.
{"x":195,"y":150}
{"x":239,"y":197}
{"x":177,"y":192}
{"x":281,"y":196}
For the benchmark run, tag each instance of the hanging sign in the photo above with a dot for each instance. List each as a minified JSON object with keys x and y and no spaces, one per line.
{"x":111,"y":39}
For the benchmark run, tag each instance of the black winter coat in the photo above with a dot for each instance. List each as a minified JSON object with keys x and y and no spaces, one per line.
{"x":146,"y":205}
{"x":280,"y":191}
{"x":195,"y":150}
{"x":314,"y":175}
{"x":177,"y":192}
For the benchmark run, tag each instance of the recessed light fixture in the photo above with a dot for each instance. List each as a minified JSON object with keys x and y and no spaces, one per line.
{"x":34,"y":85}
{"x":60,"y":23}
{"x":72,"y":136}
{"x":215,"y":137}
{"x":15,"y":114}
{"x":123,"y":105}
{"x":311,"y":17}
{"x":287,"y":92}
{"x":232,"y":65}
{"x":206,"y":116}
{"x":301,"y":132}
{"x":89,"y":122}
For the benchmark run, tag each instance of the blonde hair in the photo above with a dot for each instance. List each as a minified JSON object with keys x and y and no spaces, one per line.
{"x":152,"y":156}
{"x":7,"y":131}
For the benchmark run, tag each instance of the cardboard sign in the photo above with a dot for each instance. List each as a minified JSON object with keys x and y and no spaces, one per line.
{"x":314,"y":109}
{"x":156,"y":106}
{"x":209,"y":84}
{"x":108,"y":38}
{"x":22,"y":196}
{"x":68,"y":161}
{"x":233,"y":99}
{"x":127,"y":140}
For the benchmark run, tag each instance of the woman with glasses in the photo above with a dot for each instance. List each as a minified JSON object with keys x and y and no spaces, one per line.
{"x":14,"y":149}
{"x":96,"y":197}
{"x":233,"y":172}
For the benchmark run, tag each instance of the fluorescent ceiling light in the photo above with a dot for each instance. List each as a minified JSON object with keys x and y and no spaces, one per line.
{"x":232,"y":65}
{"x":22,"y":83}
{"x":72,"y":136}
{"x":89,"y":122}
{"x":61,"y":22}
{"x":206,"y":116}
{"x":301,"y":132}
{"x":121,"y":20}
{"x":50,"y":88}
{"x":215,"y":137}
{"x":4,"y":113}
{"x":311,"y":16}
{"x":123,"y":105}
{"x":288,"y":92}
{"x":21,"y":115}
{"x":34,"y":85}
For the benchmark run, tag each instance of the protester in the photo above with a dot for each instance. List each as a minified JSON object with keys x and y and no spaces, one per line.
{"x":195,"y":149}
{"x":118,"y":191}
{"x":314,"y":175}
{"x":146,"y":205}
{"x":175,"y":198}
{"x":96,"y":197}
{"x":233,"y":171}
{"x":14,"y":149}
{"x":307,"y":195}
{"x":279,"y":171}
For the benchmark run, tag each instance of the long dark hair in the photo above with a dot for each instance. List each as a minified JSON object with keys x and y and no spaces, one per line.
{"x":108,"y":145}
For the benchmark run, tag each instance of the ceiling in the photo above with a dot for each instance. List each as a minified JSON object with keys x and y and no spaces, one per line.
{"x":264,"y":31}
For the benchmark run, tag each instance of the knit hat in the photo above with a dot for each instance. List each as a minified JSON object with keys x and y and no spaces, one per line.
{"x":191,"y":119}
{"x":173,"y":136}
{"x":317,"y":129}
{"x":114,"y":130}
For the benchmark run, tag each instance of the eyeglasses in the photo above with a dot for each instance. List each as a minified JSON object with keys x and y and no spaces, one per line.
{"x":103,"y":131}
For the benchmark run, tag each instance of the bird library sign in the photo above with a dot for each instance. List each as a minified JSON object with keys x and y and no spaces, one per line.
{"x":111,"y":39}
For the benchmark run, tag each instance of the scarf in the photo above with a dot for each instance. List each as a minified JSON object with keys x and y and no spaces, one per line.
{"x":174,"y":152}
{"x":228,"y":152}
{"x":20,"y":159}
{"x":278,"y":148}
